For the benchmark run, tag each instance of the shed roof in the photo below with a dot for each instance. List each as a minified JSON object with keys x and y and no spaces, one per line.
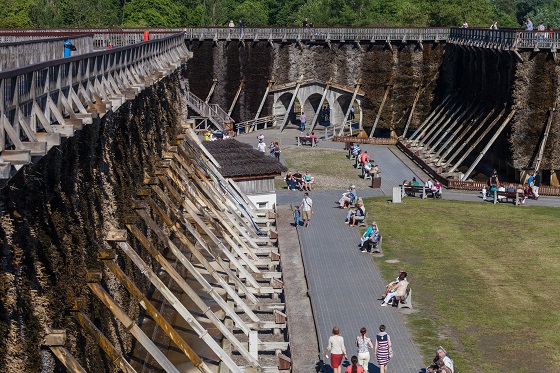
{"x":237,"y":159}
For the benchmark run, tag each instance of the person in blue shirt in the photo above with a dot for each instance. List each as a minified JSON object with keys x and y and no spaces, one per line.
{"x":297,"y":216}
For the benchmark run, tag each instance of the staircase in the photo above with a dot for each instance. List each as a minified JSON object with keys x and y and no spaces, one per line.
{"x":257,"y":124}
{"x":213,"y":112}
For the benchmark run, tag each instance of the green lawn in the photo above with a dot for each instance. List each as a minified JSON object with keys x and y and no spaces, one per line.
{"x":485,"y":280}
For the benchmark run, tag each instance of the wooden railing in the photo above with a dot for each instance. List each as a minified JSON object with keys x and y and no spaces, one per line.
{"x":27,"y":52}
{"x":213,"y":112}
{"x":42,"y":102}
{"x":256,"y":124}
{"x":505,"y":39}
{"x":348,"y":34}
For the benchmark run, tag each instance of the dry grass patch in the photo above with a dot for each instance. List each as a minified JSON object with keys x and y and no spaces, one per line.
{"x":330,"y":167}
{"x":484,"y":277}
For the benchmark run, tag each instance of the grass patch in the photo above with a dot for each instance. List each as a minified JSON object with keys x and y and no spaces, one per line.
{"x":330,"y":167}
{"x":484,"y":278}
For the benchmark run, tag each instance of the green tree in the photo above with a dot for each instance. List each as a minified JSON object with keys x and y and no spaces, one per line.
{"x":152,"y":13}
{"x":15,"y":13}
{"x":253,"y":13}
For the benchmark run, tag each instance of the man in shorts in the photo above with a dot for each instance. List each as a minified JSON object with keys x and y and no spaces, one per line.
{"x":306,"y":209}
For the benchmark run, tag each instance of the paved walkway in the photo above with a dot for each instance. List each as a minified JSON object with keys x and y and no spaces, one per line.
{"x":343,"y":283}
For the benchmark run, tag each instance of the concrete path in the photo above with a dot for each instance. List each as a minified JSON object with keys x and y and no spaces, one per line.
{"x":344,"y":283}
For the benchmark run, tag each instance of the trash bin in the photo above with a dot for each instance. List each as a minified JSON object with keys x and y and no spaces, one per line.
{"x":376,"y":182}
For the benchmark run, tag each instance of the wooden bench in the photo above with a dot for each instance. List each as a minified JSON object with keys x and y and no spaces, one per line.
{"x":304,"y":140}
{"x":514,"y":197}
{"x":409,"y":190}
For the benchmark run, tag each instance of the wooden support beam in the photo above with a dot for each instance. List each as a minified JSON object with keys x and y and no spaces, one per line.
{"x":354,"y":94}
{"x":428,"y":120}
{"x":241,"y":84}
{"x":489,"y":144}
{"x":419,"y":91}
{"x":152,"y":311}
{"x":461,"y":136}
{"x":447,"y":127}
{"x":387,"y":90}
{"x":456,"y":131}
{"x":545,"y":138}
{"x":445,"y":118}
{"x":182,"y":310}
{"x":323,"y":97}
{"x":114,"y":356}
{"x":475,"y":143}
{"x":291,"y":104}
{"x":265,"y":96}
{"x":131,"y":326}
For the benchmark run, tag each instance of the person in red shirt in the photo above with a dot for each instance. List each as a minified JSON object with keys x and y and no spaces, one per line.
{"x":363,"y":161}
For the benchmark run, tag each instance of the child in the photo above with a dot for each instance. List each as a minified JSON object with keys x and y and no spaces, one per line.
{"x":297,"y":216}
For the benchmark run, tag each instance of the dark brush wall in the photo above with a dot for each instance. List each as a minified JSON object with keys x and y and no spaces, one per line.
{"x":53,"y":215}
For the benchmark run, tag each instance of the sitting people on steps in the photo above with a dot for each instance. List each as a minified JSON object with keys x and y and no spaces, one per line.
{"x":355,"y":215}
{"x":371,"y":238}
{"x":397,"y":291}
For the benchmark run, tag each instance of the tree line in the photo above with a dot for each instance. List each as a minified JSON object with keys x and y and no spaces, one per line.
{"x":177,"y":13}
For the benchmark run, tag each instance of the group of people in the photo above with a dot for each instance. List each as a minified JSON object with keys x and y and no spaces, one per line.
{"x":363,"y":161}
{"x":298,"y":181}
{"x":216,"y":135}
{"x":273,"y":148}
{"x":382,"y":350}
{"x":529,"y":190}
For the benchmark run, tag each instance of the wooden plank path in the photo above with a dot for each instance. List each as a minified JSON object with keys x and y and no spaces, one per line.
{"x":344,"y":283}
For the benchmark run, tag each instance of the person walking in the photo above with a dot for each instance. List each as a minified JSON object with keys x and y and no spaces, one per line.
{"x":354,"y":368}
{"x":363,"y":342}
{"x":536,"y":184}
{"x":337,"y":350}
{"x":277,"y":151}
{"x":383,"y":349}
{"x":302,"y":121}
{"x":307,"y":209}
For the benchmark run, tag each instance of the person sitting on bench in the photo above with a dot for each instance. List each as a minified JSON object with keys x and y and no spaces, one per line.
{"x":348,"y":197}
{"x":298,"y":177}
{"x":398,"y":291}
{"x":392,"y":285}
{"x":290,"y":181}
{"x":437,"y":190}
{"x":370,"y":239}
{"x":357,"y":212}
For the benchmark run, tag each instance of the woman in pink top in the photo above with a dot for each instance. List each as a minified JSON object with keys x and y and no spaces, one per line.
{"x":354,"y":368}
{"x":337,"y":349}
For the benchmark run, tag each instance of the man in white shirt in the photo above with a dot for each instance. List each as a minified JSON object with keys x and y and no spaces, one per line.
{"x":306,"y":208}
{"x":262,"y":147}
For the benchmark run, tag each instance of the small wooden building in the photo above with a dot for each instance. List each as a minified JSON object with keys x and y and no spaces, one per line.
{"x":252,"y":170}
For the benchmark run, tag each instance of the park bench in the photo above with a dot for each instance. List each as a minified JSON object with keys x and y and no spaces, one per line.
{"x":404,"y":301}
{"x":514,"y":197}
{"x":304,"y":140}
{"x":409,"y":190}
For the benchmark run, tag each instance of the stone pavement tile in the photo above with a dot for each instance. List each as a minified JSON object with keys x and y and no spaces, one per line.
{"x":344,"y":283}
